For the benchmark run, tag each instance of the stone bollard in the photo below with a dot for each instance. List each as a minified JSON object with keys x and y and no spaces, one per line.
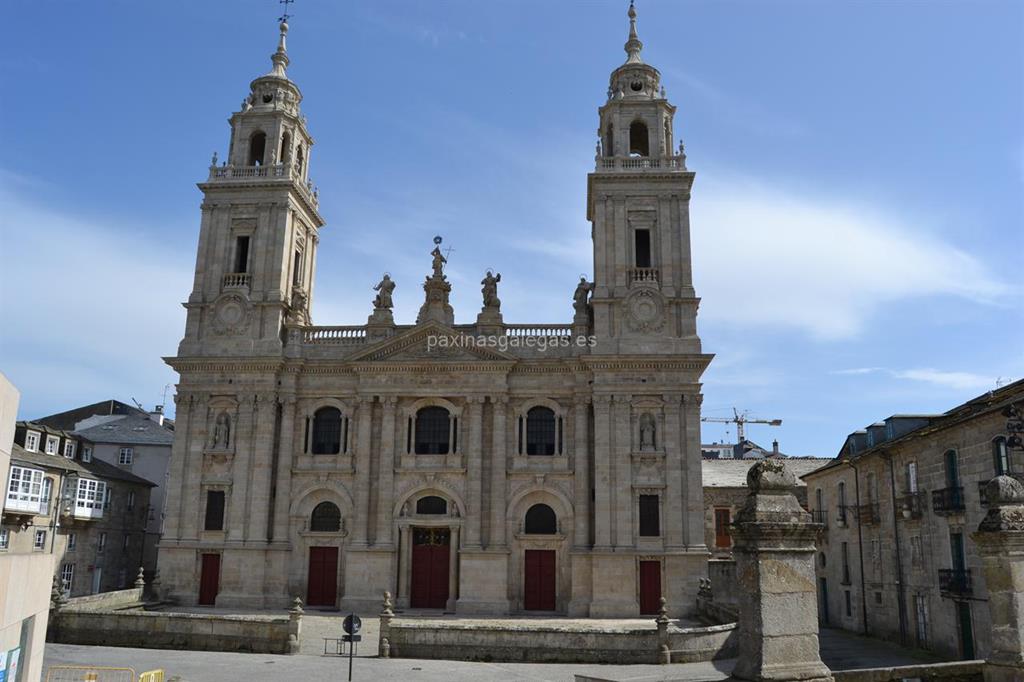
{"x":155,"y":587}
{"x":384,"y":638}
{"x":662,"y":621}
{"x":295,"y":626}
{"x":1000,"y":543}
{"x":140,"y":579}
{"x":774,"y":551}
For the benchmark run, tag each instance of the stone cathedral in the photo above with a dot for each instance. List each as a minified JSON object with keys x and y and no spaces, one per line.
{"x":483,"y":467}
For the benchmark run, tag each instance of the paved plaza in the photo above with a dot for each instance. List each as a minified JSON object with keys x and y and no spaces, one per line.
{"x":840,"y":650}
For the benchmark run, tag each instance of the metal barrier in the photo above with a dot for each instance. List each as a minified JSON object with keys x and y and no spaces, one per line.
{"x":152,"y":676}
{"x":89,"y":673}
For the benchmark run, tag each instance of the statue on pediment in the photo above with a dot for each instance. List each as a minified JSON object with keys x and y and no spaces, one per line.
{"x":490,"y":290}
{"x":383,"y":299}
{"x":579,"y":298}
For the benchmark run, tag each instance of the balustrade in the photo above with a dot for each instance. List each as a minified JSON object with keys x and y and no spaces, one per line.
{"x":644,"y":275}
{"x":538,"y":330}
{"x":288,"y":171}
{"x":636,"y":163}
{"x":334,"y":335}
{"x":234,"y":280}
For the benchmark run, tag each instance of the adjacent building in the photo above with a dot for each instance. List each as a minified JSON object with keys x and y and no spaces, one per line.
{"x":89,"y":516}
{"x":900,"y":503}
{"x":480,"y":466}
{"x":26,"y":574}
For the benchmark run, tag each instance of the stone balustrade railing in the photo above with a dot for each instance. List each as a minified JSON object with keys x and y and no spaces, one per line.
{"x":638,"y":163}
{"x":538,"y":330}
{"x":345,"y":335}
{"x":635,"y":275}
{"x":234,"y":280}
{"x":288,"y":171}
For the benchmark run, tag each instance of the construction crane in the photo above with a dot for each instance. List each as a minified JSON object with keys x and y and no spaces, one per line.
{"x":739,"y":420}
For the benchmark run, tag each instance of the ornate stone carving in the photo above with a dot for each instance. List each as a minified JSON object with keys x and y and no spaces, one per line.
{"x":580,"y":296}
{"x":645,"y":310}
{"x":647,"y":431}
{"x":383,"y":299}
{"x":489,"y":290}
{"x":232,"y":315}
{"x":221,"y":432}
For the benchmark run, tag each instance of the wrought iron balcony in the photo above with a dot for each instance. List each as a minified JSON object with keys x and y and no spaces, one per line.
{"x":955,"y":581}
{"x":820,"y":516}
{"x":948,"y":500}
{"x":912,"y":505}
{"x":869,"y":514}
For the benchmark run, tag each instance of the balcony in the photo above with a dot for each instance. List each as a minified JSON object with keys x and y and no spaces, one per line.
{"x":87,"y":511}
{"x":820,"y":516}
{"x":983,"y":487}
{"x":236,"y":280}
{"x":955,"y":581}
{"x":612,"y":164}
{"x":17,"y":505}
{"x":643,"y":276}
{"x":869,"y":514}
{"x":280,"y":171}
{"x":912,"y":505}
{"x":948,"y":500}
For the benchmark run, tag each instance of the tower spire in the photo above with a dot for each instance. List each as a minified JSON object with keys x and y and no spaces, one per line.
{"x":633,"y":45}
{"x":280,"y":58}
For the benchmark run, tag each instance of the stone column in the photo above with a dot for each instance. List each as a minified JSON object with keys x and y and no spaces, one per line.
{"x":1000,"y":543}
{"x":774,"y":550}
{"x":386,"y":483}
{"x":675,"y":463}
{"x":362,"y":463}
{"x":581,"y":474}
{"x":283,"y":487}
{"x":474,"y":470}
{"x":498,"y":466}
{"x":602,"y":473}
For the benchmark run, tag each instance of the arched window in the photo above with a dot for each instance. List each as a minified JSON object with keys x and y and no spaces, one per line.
{"x":327,"y":431}
{"x":300,"y":159}
{"x":1000,"y":456}
{"x":432,"y":504}
{"x":822,"y":559}
{"x":842,"y":502}
{"x":286,"y":148}
{"x":639,"y":142}
{"x":433,"y":431}
{"x":541,"y":520}
{"x":668,"y":140}
{"x":609,"y":141}
{"x":326,"y":518}
{"x":540,"y":431}
{"x":952,"y":469}
{"x":257,"y":147}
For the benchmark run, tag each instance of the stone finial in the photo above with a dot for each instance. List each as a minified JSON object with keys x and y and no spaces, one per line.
{"x":140,"y":579}
{"x":296,"y":609}
{"x":770,"y":476}
{"x":662,"y":613}
{"x":633,"y":45}
{"x":1006,"y":505}
{"x":388,"y":605}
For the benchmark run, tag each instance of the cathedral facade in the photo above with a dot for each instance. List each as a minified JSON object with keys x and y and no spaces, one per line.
{"x":483,"y":467}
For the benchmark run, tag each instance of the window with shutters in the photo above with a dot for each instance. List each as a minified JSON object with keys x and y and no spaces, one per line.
{"x":650,"y":519}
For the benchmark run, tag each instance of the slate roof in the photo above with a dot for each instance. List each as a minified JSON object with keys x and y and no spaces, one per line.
{"x":131,"y":430}
{"x":732,"y":473}
{"x":67,"y":420}
{"x":95,"y":468}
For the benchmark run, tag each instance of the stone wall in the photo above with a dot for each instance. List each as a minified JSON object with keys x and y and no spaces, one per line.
{"x":107,"y":601}
{"x":960,"y":671}
{"x":531,"y":641}
{"x":185,"y":631}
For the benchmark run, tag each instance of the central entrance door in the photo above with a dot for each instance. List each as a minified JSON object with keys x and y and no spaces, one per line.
{"x":539,"y":580}
{"x":209,"y":579}
{"x":431,"y":549}
{"x":322,"y":587}
{"x":650,"y":587}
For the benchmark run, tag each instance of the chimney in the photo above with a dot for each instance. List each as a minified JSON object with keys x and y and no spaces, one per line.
{"x":157,"y":415}
{"x":775,"y":446}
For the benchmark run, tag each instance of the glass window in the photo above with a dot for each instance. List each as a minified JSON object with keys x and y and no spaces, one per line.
{"x":214,"y":510}
{"x":67,"y":577}
{"x":52,"y":443}
{"x":326,"y":518}
{"x":125,"y":456}
{"x":650,"y":521}
{"x":86,"y":454}
{"x":25,"y":489}
{"x":47,"y":493}
{"x":541,"y":520}
{"x":90,"y":495}
{"x":72,"y":541}
{"x":131,"y":500}
{"x":101,"y":544}
{"x":39,"y":542}
{"x":433,"y":431}
{"x":431,"y":505}
{"x":5,"y":538}
{"x":1000,"y":456}
{"x":69,"y":449}
{"x":32,"y":441}
{"x":540,"y":431}
{"x":327,"y":431}
{"x":911,"y":477}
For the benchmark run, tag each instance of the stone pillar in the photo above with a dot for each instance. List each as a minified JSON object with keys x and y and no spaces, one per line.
{"x":386,"y":483}
{"x":474,"y":470}
{"x":193,"y":468}
{"x":622,"y":495}
{"x":258,"y":499}
{"x":176,"y":492}
{"x":581,"y":474}
{"x":498,"y":466}
{"x":693,"y":485}
{"x":364,"y":422}
{"x":283,"y":485}
{"x":675,"y":463}
{"x":774,"y":550}
{"x":602,"y":473}
{"x":1000,"y":543}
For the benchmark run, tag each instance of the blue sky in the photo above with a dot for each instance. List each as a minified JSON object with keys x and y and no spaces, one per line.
{"x":857,"y":215}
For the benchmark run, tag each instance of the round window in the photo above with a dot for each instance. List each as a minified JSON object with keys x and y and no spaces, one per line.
{"x":636,"y":86}
{"x":268,"y":98}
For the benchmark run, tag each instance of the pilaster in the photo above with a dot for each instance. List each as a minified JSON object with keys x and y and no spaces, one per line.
{"x":386,"y":481}
{"x":283,"y":483}
{"x":602,"y":473}
{"x":364,"y":423}
{"x":622,"y":495}
{"x":498,"y":472}
{"x":581,"y":472}
{"x":474,"y":464}
{"x":675,"y":462}
{"x":258,"y":499}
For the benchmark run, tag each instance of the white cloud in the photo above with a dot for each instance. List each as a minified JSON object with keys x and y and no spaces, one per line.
{"x":940,"y":378}
{"x":767,"y":257}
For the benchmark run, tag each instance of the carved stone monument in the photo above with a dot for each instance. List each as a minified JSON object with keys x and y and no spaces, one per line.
{"x":489,"y":321}
{"x":581,"y":304}
{"x":1000,"y":542}
{"x":774,"y":550}
{"x":381,"y":322}
{"x":437,"y":290}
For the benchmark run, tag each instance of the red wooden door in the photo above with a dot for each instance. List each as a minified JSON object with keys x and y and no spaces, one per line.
{"x":722,"y":538}
{"x":650,"y":587}
{"x":539,"y":580}
{"x":322,"y":587}
{"x":209,"y":579}
{"x":431,"y":548}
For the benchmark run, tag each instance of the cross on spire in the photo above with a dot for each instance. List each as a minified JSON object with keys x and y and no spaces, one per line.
{"x":285,"y":17}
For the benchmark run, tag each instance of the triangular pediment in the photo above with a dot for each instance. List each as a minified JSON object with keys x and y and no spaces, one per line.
{"x":433,"y":342}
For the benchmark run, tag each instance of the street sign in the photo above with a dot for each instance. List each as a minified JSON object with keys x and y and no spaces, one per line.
{"x":352,"y":624}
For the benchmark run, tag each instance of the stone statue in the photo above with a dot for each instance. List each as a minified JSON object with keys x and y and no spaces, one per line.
{"x":213,"y":161}
{"x":579,"y":299}
{"x":383,"y":299}
{"x":222,"y":431}
{"x":439,"y":262}
{"x":647,"y":431}
{"x":490,"y":290}
{"x":682,"y":155}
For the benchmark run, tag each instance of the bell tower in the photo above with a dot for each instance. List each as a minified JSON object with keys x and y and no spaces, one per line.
{"x":260,"y":219}
{"x":638,"y":203}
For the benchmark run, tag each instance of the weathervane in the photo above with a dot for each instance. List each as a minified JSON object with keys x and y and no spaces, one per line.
{"x":285,"y":17}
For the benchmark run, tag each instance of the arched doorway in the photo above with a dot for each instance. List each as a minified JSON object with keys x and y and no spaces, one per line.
{"x":539,"y":565}
{"x":322,"y":578}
